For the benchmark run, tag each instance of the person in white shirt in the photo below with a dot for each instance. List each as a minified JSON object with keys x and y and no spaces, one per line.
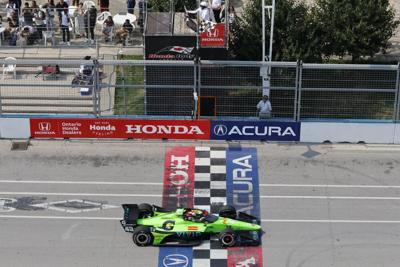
{"x":216,"y":6}
{"x":264,"y":108}
{"x":65,"y":26}
{"x":203,"y":11}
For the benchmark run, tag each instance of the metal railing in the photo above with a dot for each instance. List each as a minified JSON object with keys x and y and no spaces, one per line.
{"x":207,"y":89}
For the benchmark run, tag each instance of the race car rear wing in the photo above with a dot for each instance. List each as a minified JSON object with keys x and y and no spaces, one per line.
{"x":131,"y":213}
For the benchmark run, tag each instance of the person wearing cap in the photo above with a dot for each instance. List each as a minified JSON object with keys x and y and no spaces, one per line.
{"x":264,"y":108}
{"x":203,"y":12}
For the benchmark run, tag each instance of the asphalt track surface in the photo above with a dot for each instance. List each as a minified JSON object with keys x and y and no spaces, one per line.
{"x":321,"y":205}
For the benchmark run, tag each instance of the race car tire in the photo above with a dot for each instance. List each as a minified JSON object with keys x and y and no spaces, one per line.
{"x":228,"y":212}
{"x":227,"y":238}
{"x":145,"y":210}
{"x":142,"y":236}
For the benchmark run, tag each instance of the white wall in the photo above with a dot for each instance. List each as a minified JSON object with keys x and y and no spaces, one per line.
{"x":397,"y":134}
{"x":382,"y":133}
{"x":14,"y":128}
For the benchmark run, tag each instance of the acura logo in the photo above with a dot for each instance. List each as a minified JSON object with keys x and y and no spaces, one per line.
{"x":44,"y":126}
{"x":213,"y":33}
{"x":175,"y":260}
{"x":220,"y":130}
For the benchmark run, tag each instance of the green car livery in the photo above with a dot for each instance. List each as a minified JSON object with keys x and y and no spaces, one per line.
{"x":153,"y":225}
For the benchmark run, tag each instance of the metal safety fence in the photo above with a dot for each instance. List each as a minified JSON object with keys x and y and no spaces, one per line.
{"x":204,"y":89}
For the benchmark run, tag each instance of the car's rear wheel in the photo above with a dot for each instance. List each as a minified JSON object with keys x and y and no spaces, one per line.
{"x":227,"y":238}
{"x":145,"y":210}
{"x":142,"y":236}
{"x":228,"y":212}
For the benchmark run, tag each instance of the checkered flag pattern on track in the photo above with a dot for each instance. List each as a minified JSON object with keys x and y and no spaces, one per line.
{"x":210,"y":194}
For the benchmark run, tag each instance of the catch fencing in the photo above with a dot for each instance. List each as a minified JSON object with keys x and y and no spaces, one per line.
{"x":204,"y":89}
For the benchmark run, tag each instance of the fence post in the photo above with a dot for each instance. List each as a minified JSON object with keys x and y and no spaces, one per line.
{"x":396,"y":113}
{"x":195,"y":95}
{"x":198,"y":85}
{"x":1,"y":106}
{"x":299,"y":86}
{"x":296,"y":86}
{"x":96,"y":88}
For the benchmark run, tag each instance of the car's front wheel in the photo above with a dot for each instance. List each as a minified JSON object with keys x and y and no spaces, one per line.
{"x":142,"y":236}
{"x":227,"y":238}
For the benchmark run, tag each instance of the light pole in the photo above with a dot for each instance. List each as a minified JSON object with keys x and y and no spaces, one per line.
{"x":266,"y":68}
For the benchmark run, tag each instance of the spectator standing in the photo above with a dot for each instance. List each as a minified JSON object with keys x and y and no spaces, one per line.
{"x":50,"y":12}
{"x":79,"y":24}
{"x":10,"y":8}
{"x":123,"y":33}
{"x":18,"y":6}
{"x":264,"y":108}
{"x":34,"y":7}
{"x":108,"y":26}
{"x":130,"y":6}
{"x":90,"y":22}
{"x":40,"y":18}
{"x":64,"y":25}
{"x":104,"y":5}
{"x":27,"y":14}
{"x":216,"y":7}
{"x":61,"y":6}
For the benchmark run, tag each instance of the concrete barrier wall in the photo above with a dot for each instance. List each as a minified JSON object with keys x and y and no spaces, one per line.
{"x":397,"y":134}
{"x":382,"y":133}
{"x":14,"y":128}
{"x":316,"y":132}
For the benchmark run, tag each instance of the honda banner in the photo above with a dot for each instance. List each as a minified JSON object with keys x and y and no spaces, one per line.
{"x":255,"y":130}
{"x":116,"y":128}
{"x":214,"y":36}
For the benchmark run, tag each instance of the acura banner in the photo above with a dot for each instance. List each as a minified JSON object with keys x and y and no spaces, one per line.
{"x":255,"y":130}
{"x":115,"y":128}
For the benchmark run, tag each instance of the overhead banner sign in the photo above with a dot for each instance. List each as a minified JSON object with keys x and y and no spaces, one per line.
{"x":115,"y":128}
{"x":213,"y":36}
{"x":255,"y":130}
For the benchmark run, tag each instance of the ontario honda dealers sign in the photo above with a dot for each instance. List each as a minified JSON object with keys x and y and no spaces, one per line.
{"x":115,"y":128}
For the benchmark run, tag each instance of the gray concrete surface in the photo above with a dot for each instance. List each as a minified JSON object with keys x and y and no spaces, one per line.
{"x":321,"y":205}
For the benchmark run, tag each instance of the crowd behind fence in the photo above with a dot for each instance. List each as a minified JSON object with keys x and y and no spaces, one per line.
{"x":207,"y":89}
{"x":47,"y":25}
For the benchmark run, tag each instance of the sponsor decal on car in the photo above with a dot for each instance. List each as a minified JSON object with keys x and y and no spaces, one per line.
{"x":193,"y":228}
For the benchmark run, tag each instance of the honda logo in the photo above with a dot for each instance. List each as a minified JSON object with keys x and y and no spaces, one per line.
{"x":220,"y":130}
{"x":175,"y":260}
{"x":44,"y":126}
{"x":213,"y":33}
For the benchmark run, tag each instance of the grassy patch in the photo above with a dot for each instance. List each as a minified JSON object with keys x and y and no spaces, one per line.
{"x":129,"y":90}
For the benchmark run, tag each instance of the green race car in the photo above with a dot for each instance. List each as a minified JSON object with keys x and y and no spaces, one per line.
{"x":153,"y":225}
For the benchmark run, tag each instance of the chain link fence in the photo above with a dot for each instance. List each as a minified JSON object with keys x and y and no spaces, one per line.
{"x":207,"y":89}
